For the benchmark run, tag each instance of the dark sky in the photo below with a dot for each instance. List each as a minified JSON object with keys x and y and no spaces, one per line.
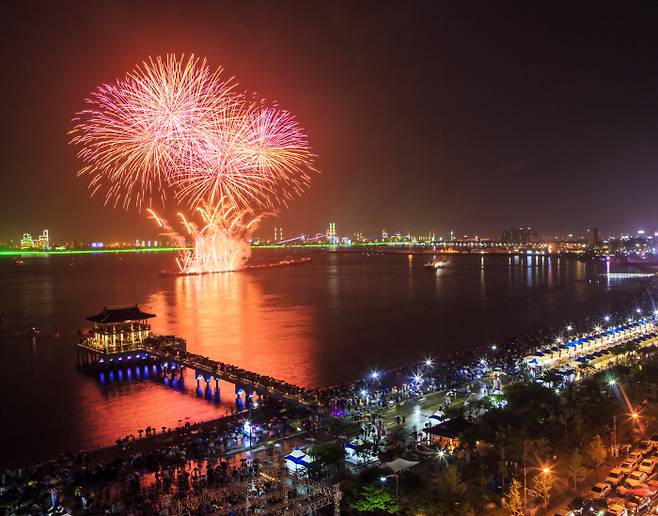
{"x":424,"y":116}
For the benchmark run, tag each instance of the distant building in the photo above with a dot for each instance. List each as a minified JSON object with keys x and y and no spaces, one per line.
{"x":592,"y":238}
{"x":42,"y":243}
{"x":520,"y":236}
{"x":331,"y":233}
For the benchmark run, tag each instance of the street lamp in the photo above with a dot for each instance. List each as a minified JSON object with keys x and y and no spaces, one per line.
{"x":493,"y":347}
{"x":429,"y":362}
{"x":569,"y":327}
{"x":606,"y":318}
{"x":374,"y":375}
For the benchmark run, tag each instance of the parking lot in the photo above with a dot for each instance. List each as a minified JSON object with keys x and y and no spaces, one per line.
{"x":630,"y":487}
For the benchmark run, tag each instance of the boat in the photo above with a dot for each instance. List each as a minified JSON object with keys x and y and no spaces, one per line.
{"x":436,"y":264}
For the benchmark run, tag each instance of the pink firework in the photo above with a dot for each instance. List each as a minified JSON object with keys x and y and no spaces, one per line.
{"x":139,"y":128}
{"x":253,"y":156}
{"x":173,"y":125}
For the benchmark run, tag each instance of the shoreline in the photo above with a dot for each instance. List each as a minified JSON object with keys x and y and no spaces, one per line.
{"x":511,"y":350}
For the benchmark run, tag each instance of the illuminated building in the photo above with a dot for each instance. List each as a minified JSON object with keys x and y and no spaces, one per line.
{"x":118,"y":329}
{"x":331,"y":233}
{"x":26,"y":241}
{"x":42,"y":243}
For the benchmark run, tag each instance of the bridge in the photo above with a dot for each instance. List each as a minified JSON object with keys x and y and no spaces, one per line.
{"x":441,"y":246}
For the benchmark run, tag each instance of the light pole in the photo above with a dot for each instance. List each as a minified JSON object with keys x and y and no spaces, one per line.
{"x":397,"y":486}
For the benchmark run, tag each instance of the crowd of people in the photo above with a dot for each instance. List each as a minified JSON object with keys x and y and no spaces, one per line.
{"x":188,"y":468}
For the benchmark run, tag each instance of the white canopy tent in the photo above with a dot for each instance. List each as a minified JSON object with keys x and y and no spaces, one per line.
{"x":399,"y":464}
{"x":298,"y":461}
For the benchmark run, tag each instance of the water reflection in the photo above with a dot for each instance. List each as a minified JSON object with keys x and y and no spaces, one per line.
{"x":229,"y":318}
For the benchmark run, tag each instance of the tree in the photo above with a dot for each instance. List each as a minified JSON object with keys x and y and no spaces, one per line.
{"x":328,"y":455}
{"x":374,"y":498}
{"x":513,"y":499}
{"x":575,"y":466}
{"x":597,"y":450}
{"x":543,"y":484}
{"x":449,"y":483}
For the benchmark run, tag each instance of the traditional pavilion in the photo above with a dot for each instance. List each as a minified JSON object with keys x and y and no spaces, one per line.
{"x":118,"y":329}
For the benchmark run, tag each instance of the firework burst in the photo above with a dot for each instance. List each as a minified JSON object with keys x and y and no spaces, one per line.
{"x":173,"y":125}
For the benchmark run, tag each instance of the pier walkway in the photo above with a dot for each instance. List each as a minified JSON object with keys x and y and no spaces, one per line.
{"x":172,"y":356}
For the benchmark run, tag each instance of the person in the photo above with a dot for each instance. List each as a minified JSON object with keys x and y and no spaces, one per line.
{"x":53,"y":497}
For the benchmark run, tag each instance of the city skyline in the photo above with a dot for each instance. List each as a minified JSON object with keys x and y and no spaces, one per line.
{"x":563,"y":121}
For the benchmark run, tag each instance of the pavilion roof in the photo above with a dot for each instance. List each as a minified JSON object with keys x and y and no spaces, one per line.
{"x":120,"y":314}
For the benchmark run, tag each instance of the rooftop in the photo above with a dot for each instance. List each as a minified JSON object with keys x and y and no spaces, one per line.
{"x":120,"y":314}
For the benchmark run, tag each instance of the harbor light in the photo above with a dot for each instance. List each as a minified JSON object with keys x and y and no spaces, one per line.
{"x":374,"y":375}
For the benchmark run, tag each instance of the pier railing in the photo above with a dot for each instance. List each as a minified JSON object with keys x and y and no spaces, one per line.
{"x":172,"y":351}
{"x":168,"y":352}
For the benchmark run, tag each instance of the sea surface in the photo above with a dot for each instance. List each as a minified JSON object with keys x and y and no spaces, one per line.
{"x":315,"y":324}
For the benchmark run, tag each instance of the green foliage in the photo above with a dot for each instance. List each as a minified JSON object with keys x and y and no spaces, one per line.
{"x":328,"y":454}
{"x":449,"y":483}
{"x":374,"y":498}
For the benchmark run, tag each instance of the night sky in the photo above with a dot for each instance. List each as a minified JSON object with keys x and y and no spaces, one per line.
{"x":424,"y":116}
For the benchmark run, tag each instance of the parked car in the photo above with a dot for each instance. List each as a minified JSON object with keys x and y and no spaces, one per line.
{"x":637,"y":455}
{"x":637,"y":504}
{"x":599,"y":490}
{"x":654,"y":440}
{"x":628,"y":466}
{"x":615,"y":477}
{"x":639,"y":476}
{"x":648,"y":465}
{"x":595,"y":507}
{"x":616,"y":510}
{"x":645,"y":447}
{"x":577,"y":505}
{"x":629,"y":484}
